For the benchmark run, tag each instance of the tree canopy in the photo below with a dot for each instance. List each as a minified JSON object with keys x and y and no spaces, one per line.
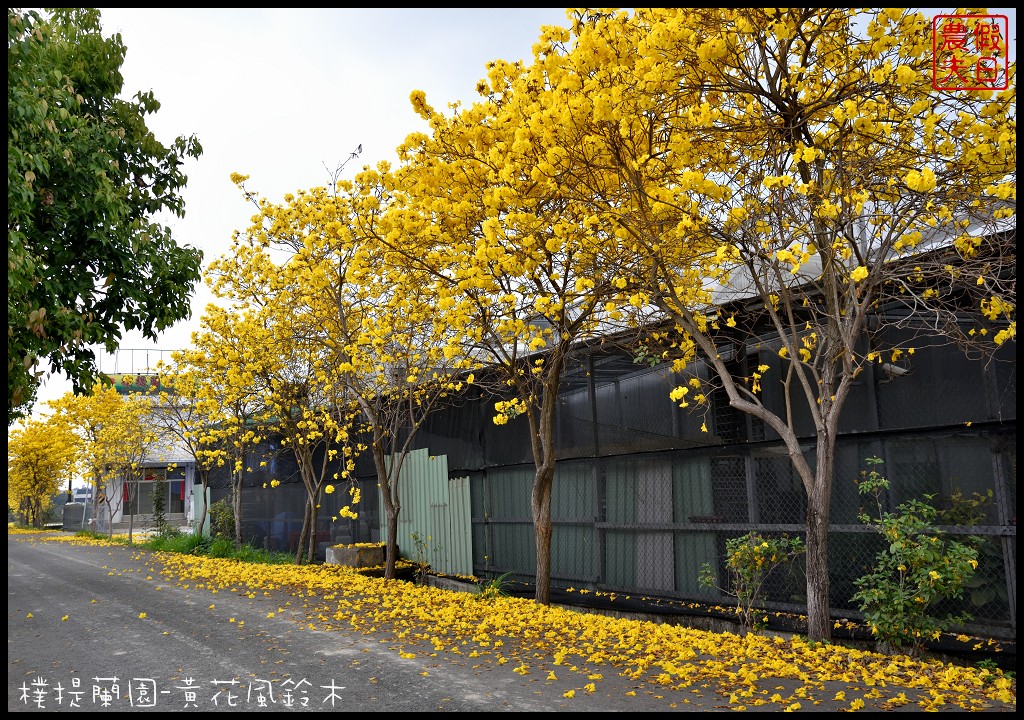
{"x":807,"y":205}
{"x":86,"y":181}
{"x":360,"y":357}
{"x":783,"y":180}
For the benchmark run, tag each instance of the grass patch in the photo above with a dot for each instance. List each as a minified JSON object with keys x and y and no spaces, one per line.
{"x":188,"y":543}
{"x":184,"y":543}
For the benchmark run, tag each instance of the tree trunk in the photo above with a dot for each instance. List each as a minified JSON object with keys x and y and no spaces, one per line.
{"x":541,"y":505}
{"x":98,"y":488}
{"x":392,"y":505}
{"x":237,"y":503}
{"x":544,"y":456}
{"x":819,"y":621}
{"x":202,"y":514}
{"x":392,"y":544}
{"x":300,"y":546}
{"x":131,"y":516}
{"x":311,"y":553}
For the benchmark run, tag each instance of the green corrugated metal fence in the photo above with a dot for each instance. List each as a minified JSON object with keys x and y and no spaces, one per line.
{"x":437,"y":510}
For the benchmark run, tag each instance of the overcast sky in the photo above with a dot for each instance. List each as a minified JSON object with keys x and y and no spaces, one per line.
{"x":278,"y":94}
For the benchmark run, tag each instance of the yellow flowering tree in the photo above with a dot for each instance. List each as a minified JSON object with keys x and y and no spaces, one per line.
{"x":128,"y":439}
{"x":222,"y":366}
{"x":801,"y":167}
{"x":299,"y":411}
{"x":520,"y":262}
{"x":300,"y":408}
{"x":40,"y":455}
{"x":353,"y":328}
{"x":86,"y":415}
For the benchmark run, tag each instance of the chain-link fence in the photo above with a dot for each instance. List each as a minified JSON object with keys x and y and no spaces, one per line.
{"x":274,"y":501}
{"x":647,"y":493}
{"x":647,"y":524}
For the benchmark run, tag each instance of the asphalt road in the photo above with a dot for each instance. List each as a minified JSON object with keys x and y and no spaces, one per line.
{"x":76,"y":642}
{"x":99,"y":628}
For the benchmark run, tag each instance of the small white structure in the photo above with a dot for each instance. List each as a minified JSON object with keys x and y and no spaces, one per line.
{"x":132,"y":503}
{"x":82,"y":495}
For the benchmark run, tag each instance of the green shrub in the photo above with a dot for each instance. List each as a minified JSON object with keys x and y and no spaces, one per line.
{"x":221,"y":547}
{"x":749,"y":560}
{"x":196,"y":544}
{"x":159,"y":491}
{"x":91,"y":534}
{"x":422,"y":552}
{"x":155,"y":542}
{"x":247,"y":553}
{"x":917,"y":568}
{"x":188,"y":544}
{"x":222,"y":519}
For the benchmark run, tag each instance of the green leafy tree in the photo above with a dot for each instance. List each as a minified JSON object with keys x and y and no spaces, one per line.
{"x":160,"y":502}
{"x":85,"y":178}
